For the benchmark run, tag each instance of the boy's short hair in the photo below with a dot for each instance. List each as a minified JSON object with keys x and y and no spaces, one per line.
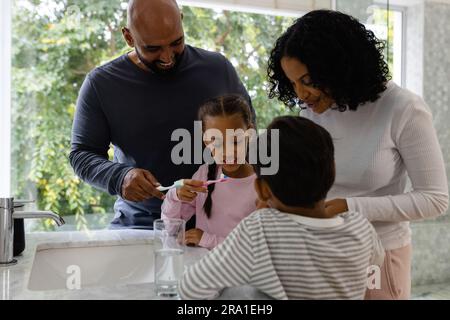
{"x":306,"y":162}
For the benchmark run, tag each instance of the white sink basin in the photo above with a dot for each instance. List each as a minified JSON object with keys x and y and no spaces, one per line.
{"x":59,"y":268}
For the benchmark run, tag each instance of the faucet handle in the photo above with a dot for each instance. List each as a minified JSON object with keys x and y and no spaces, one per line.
{"x":20,"y":203}
{"x":9,"y":203}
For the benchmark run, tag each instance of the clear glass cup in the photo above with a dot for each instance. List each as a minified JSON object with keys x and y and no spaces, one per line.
{"x":169,"y":255}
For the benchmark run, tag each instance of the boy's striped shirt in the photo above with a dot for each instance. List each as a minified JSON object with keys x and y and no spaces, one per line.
{"x":290,"y":257}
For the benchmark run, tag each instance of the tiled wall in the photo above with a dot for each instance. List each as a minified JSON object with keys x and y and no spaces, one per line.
{"x":431,"y":239}
{"x":427,"y":74}
{"x":414,"y":47}
{"x":436,"y":71}
{"x":431,"y":253}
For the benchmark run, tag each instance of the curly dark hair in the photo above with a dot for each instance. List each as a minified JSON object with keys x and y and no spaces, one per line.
{"x":344,"y":59}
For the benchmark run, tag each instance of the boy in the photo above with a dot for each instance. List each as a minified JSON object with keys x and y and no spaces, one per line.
{"x":292,"y":248}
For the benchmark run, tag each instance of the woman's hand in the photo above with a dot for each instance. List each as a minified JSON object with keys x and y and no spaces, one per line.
{"x":188,"y":192}
{"x":193,"y":237}
{"x":336,"y":206}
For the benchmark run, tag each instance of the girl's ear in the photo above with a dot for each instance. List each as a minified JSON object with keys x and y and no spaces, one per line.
{"x":263,"y":190}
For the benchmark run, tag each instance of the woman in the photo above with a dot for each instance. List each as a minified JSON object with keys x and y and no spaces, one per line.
{"x":332,"y":66}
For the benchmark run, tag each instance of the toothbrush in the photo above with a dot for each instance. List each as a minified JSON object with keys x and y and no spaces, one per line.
{"x":179,"y":183}
{"x":223,"y":178}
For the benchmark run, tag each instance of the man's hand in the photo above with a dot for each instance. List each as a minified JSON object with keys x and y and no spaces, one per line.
{"x":193,"y":237}
{"x":336,"y":206}
{"x":139,"y":185}
{"x":188,"y":192}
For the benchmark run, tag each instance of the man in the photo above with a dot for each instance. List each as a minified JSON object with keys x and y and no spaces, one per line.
{"x":135,"y":103}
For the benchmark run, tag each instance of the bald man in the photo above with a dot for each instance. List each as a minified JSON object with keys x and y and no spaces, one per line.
{"x":135,"y":102}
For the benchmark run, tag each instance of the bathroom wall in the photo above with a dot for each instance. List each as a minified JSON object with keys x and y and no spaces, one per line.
{"x":428,"y":65}
{"x":431,"y":253}
{"x":428,"y":74}
{"x":427,"y":71}
{"x":436,"y":71}
{"x":415,"y":20}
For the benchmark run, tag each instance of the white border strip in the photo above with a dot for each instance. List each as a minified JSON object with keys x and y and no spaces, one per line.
{"x":241,"y":7}
{"x":5,"y":97}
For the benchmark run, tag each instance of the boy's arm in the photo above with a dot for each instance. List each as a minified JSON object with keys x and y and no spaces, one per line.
{"x":230,"y":264}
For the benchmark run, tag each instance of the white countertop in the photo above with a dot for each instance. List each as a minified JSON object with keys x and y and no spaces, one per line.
{"x":14,"y":279}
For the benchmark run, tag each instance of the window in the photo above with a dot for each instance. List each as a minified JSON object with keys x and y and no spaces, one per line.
{"x":55,"y":44}
{"x":387,"y":22}
{"x":388,"y":26}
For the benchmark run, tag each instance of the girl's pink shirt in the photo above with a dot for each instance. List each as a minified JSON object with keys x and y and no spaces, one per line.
{"x":232,"y":201}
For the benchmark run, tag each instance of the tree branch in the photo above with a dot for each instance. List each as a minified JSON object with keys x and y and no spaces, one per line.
{"x":112,"y":42}
{"x":220,"y":40}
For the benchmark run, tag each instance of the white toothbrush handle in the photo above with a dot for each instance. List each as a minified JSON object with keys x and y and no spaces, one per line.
{"x":177,"y":184}
{"x":161,"y":188}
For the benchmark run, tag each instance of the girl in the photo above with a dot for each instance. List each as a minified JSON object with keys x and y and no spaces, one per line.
{"x":219,"y":207}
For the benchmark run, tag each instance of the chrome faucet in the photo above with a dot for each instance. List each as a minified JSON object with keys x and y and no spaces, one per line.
{"x":7,"y":216}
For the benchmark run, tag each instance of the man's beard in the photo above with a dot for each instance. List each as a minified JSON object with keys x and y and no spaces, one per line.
{"x":153,"y":66}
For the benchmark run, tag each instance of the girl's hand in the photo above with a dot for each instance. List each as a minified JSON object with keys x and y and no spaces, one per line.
{"x":188,"y":192}
{"x":336,"y":206}
{"x":193,"y":237}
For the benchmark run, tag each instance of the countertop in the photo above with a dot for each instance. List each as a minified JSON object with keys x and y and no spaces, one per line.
{"x":14,"y":279}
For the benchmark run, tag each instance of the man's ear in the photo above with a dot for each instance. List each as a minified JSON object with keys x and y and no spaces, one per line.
{"x":182,"y":16}
{"x":128,"y":37}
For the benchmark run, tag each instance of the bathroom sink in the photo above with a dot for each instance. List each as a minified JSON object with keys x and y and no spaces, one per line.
{"x":80,"y":267}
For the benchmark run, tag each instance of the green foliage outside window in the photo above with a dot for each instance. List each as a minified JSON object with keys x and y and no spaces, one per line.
{"x":56,"y":43}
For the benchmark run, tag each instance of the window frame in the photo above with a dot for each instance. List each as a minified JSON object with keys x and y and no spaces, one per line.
{"x":263,"y":7}
{"x":5,"y":97}
{"x":403,"y":12}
